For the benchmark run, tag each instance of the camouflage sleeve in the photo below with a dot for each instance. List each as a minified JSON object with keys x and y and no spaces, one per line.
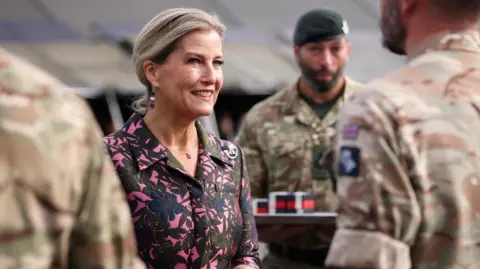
{"x":257,"y":170}
{"x":103,"y":234}
{"x":378,"y":215}
{"x":247,"y":253}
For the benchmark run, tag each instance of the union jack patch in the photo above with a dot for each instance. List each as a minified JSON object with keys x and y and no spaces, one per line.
{"x":350,"y":132}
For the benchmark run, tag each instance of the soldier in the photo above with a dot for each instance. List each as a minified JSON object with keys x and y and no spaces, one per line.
{"x":61,"y":204}
{"x":285,"y":136}
{"x":408,"y":151}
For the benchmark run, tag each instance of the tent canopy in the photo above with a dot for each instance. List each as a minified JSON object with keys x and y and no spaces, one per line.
{"x":77,"y":40}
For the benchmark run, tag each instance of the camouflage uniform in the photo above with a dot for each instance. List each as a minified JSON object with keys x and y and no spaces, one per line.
{"x":61,"y":204}
{"x":283,"y":141}
{"x":408,"y":163}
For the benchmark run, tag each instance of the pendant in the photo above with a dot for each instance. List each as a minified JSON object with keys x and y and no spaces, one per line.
{"x":188,"y":156}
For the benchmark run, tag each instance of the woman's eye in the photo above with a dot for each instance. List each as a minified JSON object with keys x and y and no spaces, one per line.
{"x":194,"y":61}
{"x":218,"y":62}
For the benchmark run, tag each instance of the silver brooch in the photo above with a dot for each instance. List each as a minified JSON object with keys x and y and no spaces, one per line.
{"x":232,"y":152}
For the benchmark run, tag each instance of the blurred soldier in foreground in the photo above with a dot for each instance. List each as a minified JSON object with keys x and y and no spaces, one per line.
{"x":61,"y":204}
{"x":408,"y":149}
{"x":285,"y":137}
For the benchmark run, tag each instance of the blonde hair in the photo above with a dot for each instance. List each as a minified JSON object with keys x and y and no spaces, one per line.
{"x":160,"y":36}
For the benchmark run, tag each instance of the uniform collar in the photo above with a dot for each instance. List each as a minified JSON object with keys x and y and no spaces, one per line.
{"x":147,"y":150}
{"x":456,"y":41}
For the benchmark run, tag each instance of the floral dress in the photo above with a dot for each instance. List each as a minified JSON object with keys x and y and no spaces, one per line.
{"x":182,"y":221}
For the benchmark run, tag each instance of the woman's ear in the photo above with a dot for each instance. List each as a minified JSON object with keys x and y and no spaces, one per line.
{"x":150,"y":70}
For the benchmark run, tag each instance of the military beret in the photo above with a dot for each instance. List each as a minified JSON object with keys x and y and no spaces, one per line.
{"x":319,"y":25}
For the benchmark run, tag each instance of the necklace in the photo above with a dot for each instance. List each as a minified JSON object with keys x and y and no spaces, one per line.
{"x":182,"y":152}
{"x":187,"y":153}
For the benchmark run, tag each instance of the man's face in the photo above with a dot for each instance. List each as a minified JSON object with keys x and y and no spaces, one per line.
{"x":322,"y":63}
{"x":393,"y":32}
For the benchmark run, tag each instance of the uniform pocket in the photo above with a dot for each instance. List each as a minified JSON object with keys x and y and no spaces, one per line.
{"x":285,"y":161}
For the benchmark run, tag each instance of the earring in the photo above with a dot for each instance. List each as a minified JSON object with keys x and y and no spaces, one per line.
{"x":152,"y":100}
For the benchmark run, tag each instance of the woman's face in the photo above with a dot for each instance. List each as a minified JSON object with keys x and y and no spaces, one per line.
{"x":190,"y":79}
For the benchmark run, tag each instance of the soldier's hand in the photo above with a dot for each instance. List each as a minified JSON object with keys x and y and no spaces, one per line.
{"x":276,"y":233}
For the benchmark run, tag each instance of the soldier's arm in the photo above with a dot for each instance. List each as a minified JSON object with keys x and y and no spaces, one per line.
{"x":103,"y":234}
{"x":257,"y":171}
{"x":247,"y":256}
{"x":379,"y":215}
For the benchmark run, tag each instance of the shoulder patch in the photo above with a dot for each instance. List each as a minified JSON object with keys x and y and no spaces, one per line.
{"x":349,"y":162}
{"x":350,"y":132}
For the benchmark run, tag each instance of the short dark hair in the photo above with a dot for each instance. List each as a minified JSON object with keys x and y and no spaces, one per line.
{"x":467,"y":9}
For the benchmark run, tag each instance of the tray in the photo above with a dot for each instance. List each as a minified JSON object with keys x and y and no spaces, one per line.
{"x":317,"y":218}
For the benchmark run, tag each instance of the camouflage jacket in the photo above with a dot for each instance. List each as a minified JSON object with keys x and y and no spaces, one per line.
{"x":183,"y":221}
{"x":408,"y":164}
{"x":61,"y":204}
{"x":284,"y":140}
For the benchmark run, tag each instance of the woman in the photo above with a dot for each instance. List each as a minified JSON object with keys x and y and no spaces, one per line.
{"x":188,"y":190}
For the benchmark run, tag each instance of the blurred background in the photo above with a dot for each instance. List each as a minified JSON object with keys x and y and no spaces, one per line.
{"x":87,"y":44}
